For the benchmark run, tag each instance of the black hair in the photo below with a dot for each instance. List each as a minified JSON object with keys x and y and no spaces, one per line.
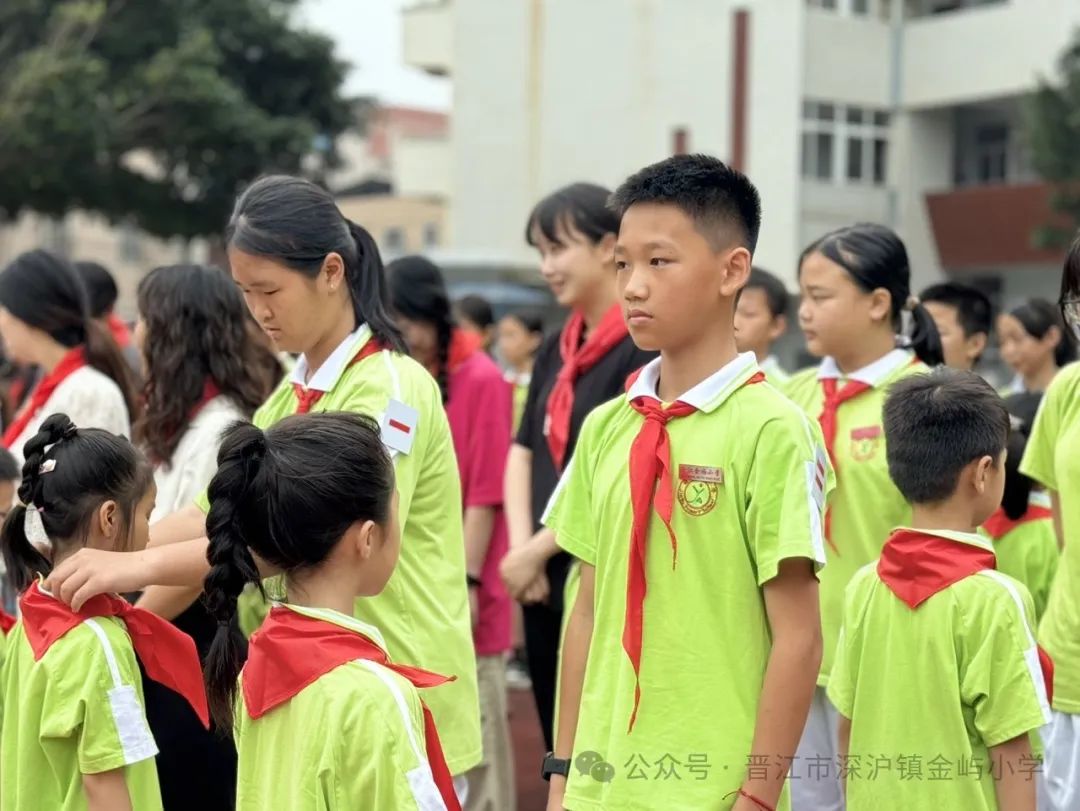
{"x":476,"y":309}
{"x":297,"y":223}
{"x":1038,"y":316}
{"x":875,"y":257}
{"x":935,"y":425}
{"x":9,"y":467}
{"x":86,"y":467}
{"x":197,"y":330}
{"x":1022,"y":409}
{"x":715,"y":196}
{"x":776,"y":294}
{"x":531,"y":318}
{"x":1070,"y":278}
{"x":973,"y":309}
{"x":418,"y":292}
{"x":287,"y":495}
{"x":100,"y":287}
{"x":46,"y":292}
{"x":582,"y":207}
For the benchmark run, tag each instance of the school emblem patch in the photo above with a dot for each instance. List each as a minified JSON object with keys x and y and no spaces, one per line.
{"x":698,"y":489}
{"x":865,"y":442}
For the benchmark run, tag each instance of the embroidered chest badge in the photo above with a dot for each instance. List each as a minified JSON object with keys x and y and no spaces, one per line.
{"x":699,"y":488}
{"x":865,"y":442}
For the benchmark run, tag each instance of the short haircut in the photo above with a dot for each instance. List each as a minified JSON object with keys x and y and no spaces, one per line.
{"x":9,"y":468}
{"x":582,"y":207}
{"x":477,"y":309}
{"x":100,"y":288}
{"x":935,"y":425}
{"x":711,"y":193}
{"x":973,"y":308}
{"x":776,"y":293}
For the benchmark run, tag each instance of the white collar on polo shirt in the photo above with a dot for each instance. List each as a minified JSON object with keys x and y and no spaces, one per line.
{"x":871,"y":375}
{"x":705,"y":396}
{"x":330,"y":372}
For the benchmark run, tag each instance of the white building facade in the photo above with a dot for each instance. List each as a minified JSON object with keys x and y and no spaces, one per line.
{"x":905,"y":113}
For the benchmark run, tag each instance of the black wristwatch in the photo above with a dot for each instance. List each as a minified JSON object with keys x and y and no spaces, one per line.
{"x":555,"y":765}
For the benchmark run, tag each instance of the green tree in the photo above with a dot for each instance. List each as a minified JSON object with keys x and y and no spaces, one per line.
{"x":1054,"y":136}
{"x":159,"y":112}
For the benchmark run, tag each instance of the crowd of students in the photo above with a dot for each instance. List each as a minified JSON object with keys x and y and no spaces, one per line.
{"x":851,"y":586}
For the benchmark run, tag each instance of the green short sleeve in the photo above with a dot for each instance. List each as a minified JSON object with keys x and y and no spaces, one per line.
{"x":1038,"y":461}
{"x":1001,"y":678}
{"x":570,"y":513}
{"x":786,"y":487}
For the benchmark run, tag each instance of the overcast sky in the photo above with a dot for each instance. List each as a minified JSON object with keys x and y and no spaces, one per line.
{"x":368,"y":35}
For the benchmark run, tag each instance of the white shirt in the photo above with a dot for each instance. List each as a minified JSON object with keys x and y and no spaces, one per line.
{"x":194,"y":461}
{"x":89,"y":398}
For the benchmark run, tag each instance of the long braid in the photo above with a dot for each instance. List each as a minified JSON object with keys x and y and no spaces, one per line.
{"x":445,"y":334}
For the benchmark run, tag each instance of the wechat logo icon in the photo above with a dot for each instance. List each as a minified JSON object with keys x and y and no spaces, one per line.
{"x":592,"y":764}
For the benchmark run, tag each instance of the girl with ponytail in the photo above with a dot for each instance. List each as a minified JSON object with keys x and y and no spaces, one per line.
{"x":316,"y":285}
{"x":313,"y":497}
{"x":45,"y":321}
{"x":856,"y":292}
{"x":74,"y":725}
{"x":480,"y":409}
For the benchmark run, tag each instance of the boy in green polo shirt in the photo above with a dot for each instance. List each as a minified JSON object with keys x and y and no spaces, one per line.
{"x":937,"y":667}
{"x":690,"y":656}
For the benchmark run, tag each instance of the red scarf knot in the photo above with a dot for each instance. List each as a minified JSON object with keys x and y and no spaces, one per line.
{"x":577,"y":358}
{"x":167,"y":654}
{"x":999,"y":524}
{"x":307,"y":398}
{"x":291,"y":651}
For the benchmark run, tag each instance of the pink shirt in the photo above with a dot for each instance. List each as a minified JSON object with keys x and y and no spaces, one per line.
{"x":480,"y":411}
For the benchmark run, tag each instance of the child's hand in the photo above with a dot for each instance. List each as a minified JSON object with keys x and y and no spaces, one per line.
{"x":520,"y":568}
{"x":90,"y":572}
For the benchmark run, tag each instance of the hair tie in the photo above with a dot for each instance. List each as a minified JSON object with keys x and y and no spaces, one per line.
{"x":48,"y":466}
{"x":34,"y":527}
{"x":912,"y":302}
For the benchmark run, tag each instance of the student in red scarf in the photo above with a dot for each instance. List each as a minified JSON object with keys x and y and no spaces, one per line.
{"x":45,"y":321}
{"x":102,"y":293}
{"x":74,"y":724}
{"x":325,"y":719}
{"x":204,"y":370}
{"x":585,"y":364}
{"x":479,"y":407}
{"x":937,"y":655}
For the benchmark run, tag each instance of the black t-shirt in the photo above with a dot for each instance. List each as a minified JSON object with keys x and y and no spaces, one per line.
{"x":605,"y":380}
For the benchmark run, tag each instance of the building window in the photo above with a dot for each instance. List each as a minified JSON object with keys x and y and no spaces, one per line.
{"x":844,"y":143}
{"x":991,"y":153}
{"x":431,"y":235}
{"x":394,"y":240}
{"x":847,"y":8}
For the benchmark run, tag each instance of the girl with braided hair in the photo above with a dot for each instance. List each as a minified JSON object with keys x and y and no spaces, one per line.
{"x":75,"y":735}
{"x":323,"y":718}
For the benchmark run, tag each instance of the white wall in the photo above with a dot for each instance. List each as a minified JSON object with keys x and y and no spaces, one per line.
{"x":428,"y":37}
{"x":984,"y":53}
{"x":847,"y":59}
{"x":423,"y":167}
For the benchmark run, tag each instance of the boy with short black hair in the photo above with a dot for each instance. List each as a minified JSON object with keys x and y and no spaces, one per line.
{"x":937,"y":658}
{"x":760,"y":319}
{"x":964,"y":318}
{"x":709,"y":679}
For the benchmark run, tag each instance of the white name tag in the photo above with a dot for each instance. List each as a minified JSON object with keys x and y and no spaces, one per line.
{"x":399,"y":426}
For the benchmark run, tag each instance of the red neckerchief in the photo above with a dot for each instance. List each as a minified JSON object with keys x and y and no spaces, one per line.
{"x":120,"y":333}
{"x":916,"y":566}
{"x":167,"y":654}
{"x":833,"y":400}
{"x":7,"y":622}
{"x":74,"y":360}
{"x":999,"y":525}
{"x":291,"y":651}
{"x":577,"y":358}
{"x":307,"y":398}
{"x":650,"y":486}
{"x":209,"y":392}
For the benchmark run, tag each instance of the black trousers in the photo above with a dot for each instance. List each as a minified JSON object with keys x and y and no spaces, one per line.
{"x":542,"y":624}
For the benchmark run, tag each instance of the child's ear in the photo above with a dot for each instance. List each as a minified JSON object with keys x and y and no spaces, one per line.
{"x":606,"y":248}
{"x":881,"y":304}
{"x":363,"y":535}
{"x":778,"y":327}
{"x":984,"y":468}
{"x":109,"y":520}
{"x":736,"y":271}
{"x":976,"y":344}
{"x":334,"y":268}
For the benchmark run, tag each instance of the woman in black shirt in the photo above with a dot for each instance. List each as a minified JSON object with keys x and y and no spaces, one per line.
{"x":584,"y":365}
